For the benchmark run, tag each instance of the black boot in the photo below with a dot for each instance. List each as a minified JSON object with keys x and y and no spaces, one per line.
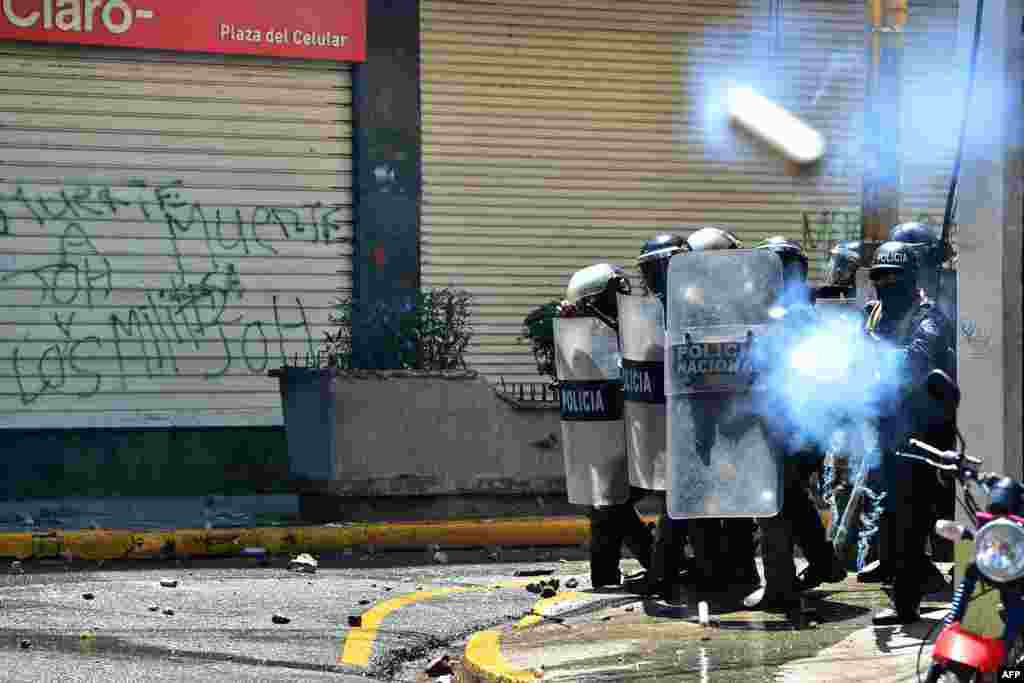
{"x":667,"y":554}
{"x":779,"y":589}
{"x":876,"y":572}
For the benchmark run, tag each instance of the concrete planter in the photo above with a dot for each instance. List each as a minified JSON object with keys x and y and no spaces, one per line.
{"x":378,"y":442}
{"x":308,"y":404}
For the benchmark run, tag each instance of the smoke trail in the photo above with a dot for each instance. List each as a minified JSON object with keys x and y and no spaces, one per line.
{"x":824,"y":375}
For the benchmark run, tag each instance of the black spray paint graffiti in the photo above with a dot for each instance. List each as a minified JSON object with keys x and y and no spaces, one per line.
{"x":189,"y":313}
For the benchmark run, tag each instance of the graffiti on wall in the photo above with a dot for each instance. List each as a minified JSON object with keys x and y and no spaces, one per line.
{"x":93,"y":328}
{"x":822,"y":230}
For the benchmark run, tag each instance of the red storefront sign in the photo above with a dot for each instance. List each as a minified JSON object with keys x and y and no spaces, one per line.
{"x":308,"y":29}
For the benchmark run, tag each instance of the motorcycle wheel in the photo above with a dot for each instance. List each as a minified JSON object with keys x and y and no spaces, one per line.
{"x":953,"y":672}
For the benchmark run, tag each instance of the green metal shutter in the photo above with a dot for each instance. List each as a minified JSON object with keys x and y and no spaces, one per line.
{"x":172,"y":226}
{"x":558,"y":135}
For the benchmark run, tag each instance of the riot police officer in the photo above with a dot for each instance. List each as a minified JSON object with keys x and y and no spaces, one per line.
{"x":844,"y":261}
{"x":924,"y":241}
{"x":912,"y":328}
{"x":799,"y":519}
{"x":724,"y":550}
{"x":670,"y":536}
{"x":596,"y":466}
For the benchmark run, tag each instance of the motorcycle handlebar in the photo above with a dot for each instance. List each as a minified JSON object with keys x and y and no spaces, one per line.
{"x":949,"y":456}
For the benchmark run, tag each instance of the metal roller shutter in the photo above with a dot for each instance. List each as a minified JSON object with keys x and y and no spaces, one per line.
{"x":933,"y":92}
{"x":557,"y":135}
{"x":172,"y":226}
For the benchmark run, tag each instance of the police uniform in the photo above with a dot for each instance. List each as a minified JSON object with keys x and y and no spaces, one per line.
{"x":597,"y":475}
{"x":923,"y":334}
{"x":799,"y":521}
{"x":724,"y":549}
{"x":668,"y":558}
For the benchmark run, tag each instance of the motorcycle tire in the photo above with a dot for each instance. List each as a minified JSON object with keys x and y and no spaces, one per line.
{"x":953,"y":672}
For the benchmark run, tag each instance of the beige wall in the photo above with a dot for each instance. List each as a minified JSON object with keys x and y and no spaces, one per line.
{"x":434,"y":436}
{"x":989,"y":242}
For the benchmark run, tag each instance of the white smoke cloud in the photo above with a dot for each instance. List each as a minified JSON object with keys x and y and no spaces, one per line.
{"x":827,"y":377}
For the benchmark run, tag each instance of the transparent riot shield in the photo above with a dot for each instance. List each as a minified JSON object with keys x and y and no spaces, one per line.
{"x":721,"y":460}
{"x":839,"y":310}
{"x":590,"y":390}
{"x":642,"y":329}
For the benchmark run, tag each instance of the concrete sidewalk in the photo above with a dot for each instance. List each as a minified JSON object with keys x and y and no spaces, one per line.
{"x":591,"y":636}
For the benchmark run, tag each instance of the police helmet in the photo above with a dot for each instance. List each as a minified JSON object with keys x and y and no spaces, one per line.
{"x":897,"y":258}
{"x":843,"y":264}
{"x":926,"y":239}
{"x":794,"y":262}
{"x":597,"y":287}
{"x":708,"y":239}
{"x":654,"y":258}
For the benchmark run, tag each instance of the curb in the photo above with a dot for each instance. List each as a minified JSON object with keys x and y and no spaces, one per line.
{"x":105,"y":544}
{"x":112,"y":544}
{"x":483,"y":662}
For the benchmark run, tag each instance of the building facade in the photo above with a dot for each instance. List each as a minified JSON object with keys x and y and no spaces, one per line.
{"x":183,"y":203}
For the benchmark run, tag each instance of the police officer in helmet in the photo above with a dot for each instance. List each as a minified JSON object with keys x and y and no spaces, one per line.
{"x":924,"y":243}
{"x":918,"y":337}
{"x":925,"y":240}
{"x":653,"y":261}
{"x":670,"y":536}
{"x":593,"y":291}
{"x":798,"y":520}
{"x":724,"y":549}
{"x":844,"y":261}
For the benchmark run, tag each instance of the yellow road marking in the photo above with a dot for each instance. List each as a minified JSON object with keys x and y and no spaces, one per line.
{"x":483,"y":652}
{"x":541,"y":607}
{"x":359,"y":641}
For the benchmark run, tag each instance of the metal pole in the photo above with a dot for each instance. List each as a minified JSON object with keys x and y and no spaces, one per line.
{"x":881,"y":190}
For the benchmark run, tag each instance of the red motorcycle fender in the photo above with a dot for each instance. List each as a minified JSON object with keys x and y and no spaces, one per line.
{"x":978,"y":652}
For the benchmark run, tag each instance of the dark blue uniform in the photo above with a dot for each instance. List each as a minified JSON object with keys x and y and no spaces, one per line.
{"x":912,"y":488}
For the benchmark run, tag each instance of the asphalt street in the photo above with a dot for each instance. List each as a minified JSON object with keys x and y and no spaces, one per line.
{"x":90,"y":622}
{"x":386,"y":616}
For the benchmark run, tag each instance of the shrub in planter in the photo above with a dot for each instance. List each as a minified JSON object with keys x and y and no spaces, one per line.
{"x":431,"y":332}
{"x":539,"y":330}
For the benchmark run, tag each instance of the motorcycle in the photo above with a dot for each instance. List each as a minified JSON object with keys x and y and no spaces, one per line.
{"x":998,"y":534}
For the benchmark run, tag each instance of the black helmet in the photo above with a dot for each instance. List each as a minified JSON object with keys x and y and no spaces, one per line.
{"x":654,"y":258}
{"x":794,"y":262}
{"x":895,"y":257}
{"x":926,"y":239}
{"x":707,"y":239}
{"x":843,"y":264}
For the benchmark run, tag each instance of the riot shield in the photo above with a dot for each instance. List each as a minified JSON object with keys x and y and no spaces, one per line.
{"x":721,"y":459}
{"x":839,"y":309}
{"x":642,"y":329}
{"x":590,"y":392}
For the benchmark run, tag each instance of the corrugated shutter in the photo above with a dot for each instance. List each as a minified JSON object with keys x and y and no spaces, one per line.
{"x":560,"y":134}
{"x":173,"y":225}
{"x":933,"y":91}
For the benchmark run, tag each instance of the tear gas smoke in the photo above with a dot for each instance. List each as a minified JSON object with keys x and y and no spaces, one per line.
{"x":825,"y":375}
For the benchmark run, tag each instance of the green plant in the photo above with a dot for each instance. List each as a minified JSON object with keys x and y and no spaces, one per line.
{"x":431,"y":332}
{"x":539,"y":330}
